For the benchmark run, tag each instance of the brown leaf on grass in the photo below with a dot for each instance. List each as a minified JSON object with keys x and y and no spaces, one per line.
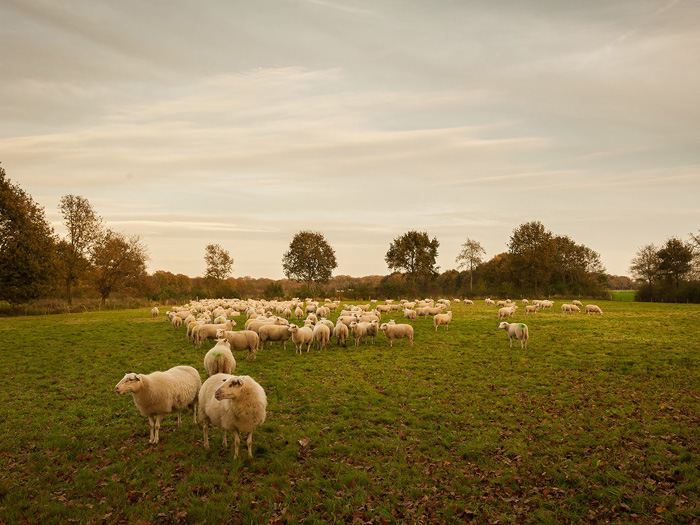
{"x":304,"y":442}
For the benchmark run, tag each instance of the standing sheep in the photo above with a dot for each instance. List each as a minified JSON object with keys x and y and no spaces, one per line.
{"x":274,"y":332}
{"x":441,"y":319}
{"x":322,"y":335}
{"x":154,"y":311}
{"x":220,"y":360}
{"x":593,"y":309}
{"x":397,"y":331}
{"x":516,"y":331}
{"x":506,"y":311}
{"x":341,"y":332}
{"x":160,"y":393}
{"x":235,"y":403}
{"x":301,"y":336}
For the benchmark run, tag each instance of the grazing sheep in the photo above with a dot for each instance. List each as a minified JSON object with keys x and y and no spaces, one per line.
{"x":565,"y":308}
{"x":154,"y":311}
{"x":577,"y":303}
{"x":301,"y":336}
{"x":468,"y":301}
{"x":208,"y":331}
{"x":219,"y":360}
{"x":593,"y":309}
{"x":409,"y":314}
{"x":176,"y":321}
{"x":422,"y":311}
{"x":341,"y":332}
{"x":242,"y":340}
{"x":397,"y":331}
{"x":532,"y":308}
{"x":526,"y":302}
{"x":298,"y":313}
{"x":516,"y":331}
{"x":434,"y":310}
{"x":322,"y":335}
{"x":506,"y":311}
{"x":441,"y":319}
{"x":489,"y":301}
{"x":235,"y":403}
{"x":274,"y":332}
{"x":575,"y":308}
{"x":160,"y":393}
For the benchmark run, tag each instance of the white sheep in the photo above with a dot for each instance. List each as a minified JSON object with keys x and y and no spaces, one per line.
{"x":220,"y":360}
{"x":341,"y":332}
{"x":322,"y":335}
{"x":208,"y":331}
{"x":397,"y":331}
{"x":409,"y":314}
{"x":160,"y":393}
{"x":301,"y":336}
{"x":154,"y":311}
{"x":566,"y":308}
{"x":235,"y":403}
{"x":577,"y":303}
{"x":532,"y":308}
{"x":593,"y":309}
{"x":274,"y":332}
{"x":242,"y":340}
{"x":468,"y":302}
{"x":359,"y":331}
{"x":441,"y":319}
{"x":489,"y":302}
{"x":516,"y":331}
{"x":506,"y":311}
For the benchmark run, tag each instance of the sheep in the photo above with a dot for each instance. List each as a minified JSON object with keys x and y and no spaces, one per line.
{"x":313,"y":318}
{"x":422,"y":311}
{"x":577,"y":303}
{"x":489,"y":302}
{"x":322,"y":335}
{"x":397,"y":331}
{"x":409,"y":314}
{"x":242,"y":340}
{"x":220,"y":360}
{"x":274,"y":332}
{"x":154,"y":311}
{"x":341,"y":332}
{"x":532,"y":308}
{"x":235,"y":403}
{"x":373,"y":329}
{"x":565,"y":308}
{"x":575,"y":308}
{"x":441,"y":319}
{"x":359,"y":331}
{"x":208,"y":331}
{"x":525,"y":302}
{"x":506,"y":311}
{"x":301,"y":336}
{"x":298,"y":313}
{"x":468,"y":302}
{"x":516,"y":331}
{"x":323,"y":311}
{"x":434,"y":310}
{"x":160,"y":393}
{"x":593,"y":309}
{"x":176,"y":321}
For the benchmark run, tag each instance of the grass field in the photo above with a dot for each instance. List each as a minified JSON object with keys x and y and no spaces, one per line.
{"x":598,"y":420}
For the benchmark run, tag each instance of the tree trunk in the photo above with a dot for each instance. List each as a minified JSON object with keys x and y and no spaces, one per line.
{"x":471,"y":283}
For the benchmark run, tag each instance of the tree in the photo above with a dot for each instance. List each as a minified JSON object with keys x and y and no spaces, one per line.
{"x":309,"y":259}
{"x":118,"y":262}
{"x":469,"y":258}
{"x":415,"y":254}
{"x":533,"y":250}
{"x":219,"y":262}
{"x":645,"y":265}
{"x":27,"y":245}
{"x":675,"y":259}
{"x":84,"y":226}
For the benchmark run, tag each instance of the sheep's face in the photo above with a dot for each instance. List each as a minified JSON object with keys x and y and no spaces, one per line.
{"x":230,"y":389}
{"x":503,"y":325}
{"x":129,"y":383}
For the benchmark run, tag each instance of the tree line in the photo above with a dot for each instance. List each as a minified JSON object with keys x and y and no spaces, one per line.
{"x":92,"y":258}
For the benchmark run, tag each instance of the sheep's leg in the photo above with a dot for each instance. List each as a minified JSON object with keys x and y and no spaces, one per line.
{"x":224,"y":440}
{"x":159,"y":418}
{"x":206,"y":433}
{"x":179,"y":419}
{"x":249,"y":442}
{"x":237,"y":442}
{"x":150,"y":424}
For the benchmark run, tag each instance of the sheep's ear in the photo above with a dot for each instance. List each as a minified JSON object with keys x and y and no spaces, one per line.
{"x":138,"y":377}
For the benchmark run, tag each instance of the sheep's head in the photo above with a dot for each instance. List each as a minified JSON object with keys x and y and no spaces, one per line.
{"x":231,"y":388}
{"x":293,"y":328}
{"x":503,"y":325}
{"x":129,"y":383}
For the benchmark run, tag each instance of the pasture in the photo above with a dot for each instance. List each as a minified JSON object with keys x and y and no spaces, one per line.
{"x":598,"y":420}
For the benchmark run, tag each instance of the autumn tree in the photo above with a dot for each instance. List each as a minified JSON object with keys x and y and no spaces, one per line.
{"x":675,"y":260}
{"x":27,"y":245}
{"x":532,"y":249}
{"x":118,"y":262}
{"x":471,"y":256}
{"x":84,"y":227}
{"x":219,"y":262}
{"x":414,"y":254}
{"x":645,"y":266}
{"x":309,"y":259}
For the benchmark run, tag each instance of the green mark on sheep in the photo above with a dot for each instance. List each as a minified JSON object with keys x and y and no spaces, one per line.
{"x":522,"y":325}
{"x":216,"y":354}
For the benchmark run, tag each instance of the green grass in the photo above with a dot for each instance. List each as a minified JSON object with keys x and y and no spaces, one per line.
{"x":623,"y":295}
{"x":598,"y":420}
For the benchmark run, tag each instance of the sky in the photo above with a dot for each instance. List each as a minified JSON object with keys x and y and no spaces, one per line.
{"x":241,"y":123}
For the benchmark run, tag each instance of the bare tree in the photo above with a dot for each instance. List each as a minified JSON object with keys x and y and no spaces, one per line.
{"x":471,"y":256}
{"x":84,"y":226}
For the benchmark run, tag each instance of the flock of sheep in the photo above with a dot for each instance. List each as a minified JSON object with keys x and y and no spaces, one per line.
{"x":239,"y":403}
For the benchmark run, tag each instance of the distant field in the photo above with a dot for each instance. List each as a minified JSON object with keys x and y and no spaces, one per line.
{"x":598,"y":420}
{"x":623,"y":295}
